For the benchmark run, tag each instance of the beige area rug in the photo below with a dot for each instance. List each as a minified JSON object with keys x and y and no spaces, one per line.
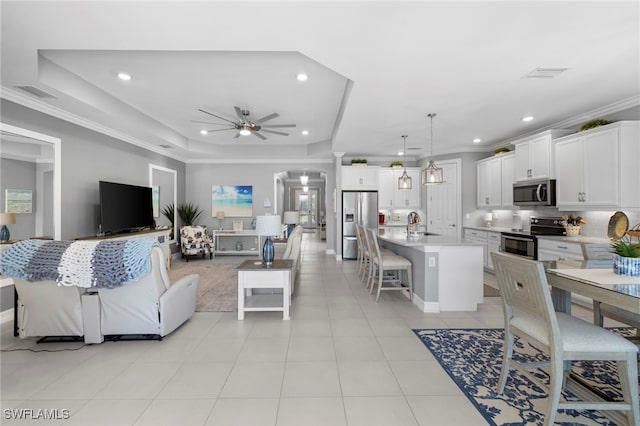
{"x":218,"y":285}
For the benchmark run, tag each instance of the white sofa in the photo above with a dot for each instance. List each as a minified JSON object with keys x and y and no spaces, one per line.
{"x":149,"y":306}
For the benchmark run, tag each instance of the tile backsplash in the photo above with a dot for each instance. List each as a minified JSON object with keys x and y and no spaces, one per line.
{"x":596,"y":226}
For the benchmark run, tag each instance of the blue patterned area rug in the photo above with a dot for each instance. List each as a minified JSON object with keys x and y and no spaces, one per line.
{"x":473,"y":358}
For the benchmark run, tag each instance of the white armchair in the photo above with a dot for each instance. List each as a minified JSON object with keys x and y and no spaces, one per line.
{"x":151,"y":305}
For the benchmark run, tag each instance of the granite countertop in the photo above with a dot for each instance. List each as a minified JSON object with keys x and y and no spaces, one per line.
{"x":400,"y":238}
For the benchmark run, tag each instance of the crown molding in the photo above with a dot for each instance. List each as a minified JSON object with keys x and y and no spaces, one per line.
{"x":296,"y":161}
{"x":34,"y":104}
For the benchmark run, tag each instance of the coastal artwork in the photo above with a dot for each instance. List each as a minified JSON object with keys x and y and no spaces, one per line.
{"x":234,"y":201}
{"x":18,"y":201}
{"x":155,"y":199}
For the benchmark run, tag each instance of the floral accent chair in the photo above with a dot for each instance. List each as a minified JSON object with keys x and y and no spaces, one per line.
{"x":194,"y":240}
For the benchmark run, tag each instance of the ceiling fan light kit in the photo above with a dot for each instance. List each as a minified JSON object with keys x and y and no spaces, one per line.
{"x":244,"y":125}
{"x":432,"y":175}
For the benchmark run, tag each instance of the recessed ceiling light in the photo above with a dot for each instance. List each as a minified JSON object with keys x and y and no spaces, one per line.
{"x":400,"y":153}
{"x":305,"y":132}
{"x":203,"y":132}
{"x":477,"y":140}
{"x":527,"y":118}
{"x":124,"y":76}
{"x":302,"y":77}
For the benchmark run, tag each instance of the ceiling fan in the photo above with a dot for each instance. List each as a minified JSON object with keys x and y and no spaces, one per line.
{"x":245,"y":126}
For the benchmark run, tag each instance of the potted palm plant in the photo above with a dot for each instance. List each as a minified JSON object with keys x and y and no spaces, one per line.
{"x":626,"y":260}
{"x":168,"y":211}
{"x":188,"y":213}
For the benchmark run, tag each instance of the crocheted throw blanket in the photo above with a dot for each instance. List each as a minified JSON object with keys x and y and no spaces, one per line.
{"x":102,"y":264}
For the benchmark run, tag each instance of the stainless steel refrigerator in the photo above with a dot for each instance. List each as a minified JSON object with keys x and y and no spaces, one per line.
{"x":358,"y":207}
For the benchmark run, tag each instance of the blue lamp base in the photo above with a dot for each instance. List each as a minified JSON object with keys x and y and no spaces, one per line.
{"x":290,"y":229}
{"x":268,"y":252}
{"x":4,"y":233}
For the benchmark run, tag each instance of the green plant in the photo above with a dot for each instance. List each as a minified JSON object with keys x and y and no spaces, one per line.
{"x":594,"y":123}
{"x":501,"y":150}
{"x":168,"y":211}
{"x":359,"y":161}
{"x":396,"y":163}
{"x":188,"y":213}
{"x":625,"y":249}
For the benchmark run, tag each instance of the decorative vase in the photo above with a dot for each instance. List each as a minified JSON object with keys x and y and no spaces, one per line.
{"x":629,"y":266}
{"x":572,"y":230}
{"x":239,"y":246}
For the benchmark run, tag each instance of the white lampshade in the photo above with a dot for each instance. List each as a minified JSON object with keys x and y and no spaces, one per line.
{"x":220,"y":215}
{"x":268,"y":226}
{"x":291,"y":218}
{"x":7,"y":218}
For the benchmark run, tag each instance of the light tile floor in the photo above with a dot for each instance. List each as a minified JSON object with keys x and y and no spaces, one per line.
{"x":343,"y":359}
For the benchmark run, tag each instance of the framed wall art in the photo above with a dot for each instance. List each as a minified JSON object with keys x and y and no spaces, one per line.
{"x":18,"y":201}
{"x":234,"y":201}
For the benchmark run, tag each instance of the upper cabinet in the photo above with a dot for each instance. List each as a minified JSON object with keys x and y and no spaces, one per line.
{"x":598,"y":168}
{"x":495,"y":181}
{"x":363,"y":178}
{"x":388,"y":193}
{"x":535,"y":157}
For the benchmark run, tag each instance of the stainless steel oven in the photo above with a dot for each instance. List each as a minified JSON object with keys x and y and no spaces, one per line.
{"x":518,"y":244}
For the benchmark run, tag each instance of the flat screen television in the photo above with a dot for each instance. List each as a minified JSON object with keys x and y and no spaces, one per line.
{"x":125,"y":208}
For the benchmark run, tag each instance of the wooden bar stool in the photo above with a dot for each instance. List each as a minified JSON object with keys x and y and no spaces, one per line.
{"x":386,"y":263}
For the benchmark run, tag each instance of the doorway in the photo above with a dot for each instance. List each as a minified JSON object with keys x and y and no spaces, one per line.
{"x":443,"y":201}
{"x":307,"y":205}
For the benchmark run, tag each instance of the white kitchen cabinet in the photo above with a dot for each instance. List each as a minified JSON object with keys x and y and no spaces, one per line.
{"x":535,"y":156}
{"x":489,"y":182}
{"x":508,"y":178}
{"x":480,"y":237}
{"x":388,"y":193}
{"x":598,"y":169}
{"x":360,"y":178}
{"x":555,"y":249}
{"x":493,"y":246}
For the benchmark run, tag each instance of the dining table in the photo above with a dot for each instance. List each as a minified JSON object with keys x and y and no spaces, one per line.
{"x":593,"y":280}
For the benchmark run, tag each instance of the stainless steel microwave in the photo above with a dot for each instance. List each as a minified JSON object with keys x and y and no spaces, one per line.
{"x":535,"y":193}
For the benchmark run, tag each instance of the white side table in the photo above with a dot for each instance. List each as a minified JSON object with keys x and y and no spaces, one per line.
{"x":254,"y":274}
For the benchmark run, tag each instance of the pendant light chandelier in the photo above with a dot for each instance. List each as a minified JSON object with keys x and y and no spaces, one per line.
{"x":304,"y":179}
{"x":432,"y":175}
{"x":404,"y":181}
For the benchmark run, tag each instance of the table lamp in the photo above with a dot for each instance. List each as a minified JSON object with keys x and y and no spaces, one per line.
{"x":291,"y":219}
{"x":6,"y":219}
{"x":268,"y":226}
{"x":220,"y":217}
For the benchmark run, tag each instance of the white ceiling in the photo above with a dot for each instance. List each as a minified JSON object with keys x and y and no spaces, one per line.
{"x":375,"y":70}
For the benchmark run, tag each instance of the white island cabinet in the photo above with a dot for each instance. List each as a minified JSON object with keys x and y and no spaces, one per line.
{"x":447,"y":271}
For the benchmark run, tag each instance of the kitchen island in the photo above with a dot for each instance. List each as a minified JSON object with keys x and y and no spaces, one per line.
{"x":447,"y":271}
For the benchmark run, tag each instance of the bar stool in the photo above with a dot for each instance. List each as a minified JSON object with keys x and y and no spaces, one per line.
{"x":384,"y":263}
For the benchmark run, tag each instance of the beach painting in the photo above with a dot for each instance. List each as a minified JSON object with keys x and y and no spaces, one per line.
{"x":18,"y":201}
{"x":234,"y":201}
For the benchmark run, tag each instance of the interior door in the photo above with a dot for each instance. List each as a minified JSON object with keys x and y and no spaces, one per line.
{"x":307,"y":205}
{"x":443,"y":202}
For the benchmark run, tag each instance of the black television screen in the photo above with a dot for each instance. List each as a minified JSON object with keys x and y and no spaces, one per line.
{"x":125,"y":208}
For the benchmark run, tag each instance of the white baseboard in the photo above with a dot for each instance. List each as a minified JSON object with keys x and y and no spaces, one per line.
{"x":6,"y":316}
{"x":431,"y":307}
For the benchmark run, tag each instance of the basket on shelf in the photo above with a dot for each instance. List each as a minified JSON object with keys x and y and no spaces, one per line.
{"x":572,"y":230}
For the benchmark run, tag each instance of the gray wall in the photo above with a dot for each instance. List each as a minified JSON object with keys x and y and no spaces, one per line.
{"x":88,"y":157}
{"x":201,"y":177}
{"x":15,"y":174}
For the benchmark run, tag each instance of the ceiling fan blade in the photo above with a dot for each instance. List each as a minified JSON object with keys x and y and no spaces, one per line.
{"x":237,"y":136}
{"x":220,"y":130}
{"x":259,"y":135}
{"x":208,"y":122}
{"x":278,"y":125}
{"x":239,"y":113}
{"x":274,"y":132}
{"x":267,"y":118}
{"x":217,"y":116}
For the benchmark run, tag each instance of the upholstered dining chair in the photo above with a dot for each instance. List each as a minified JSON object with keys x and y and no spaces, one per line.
{"x":529,"y":314}
{"x":382,"y":264}
{"x":362,"y":260}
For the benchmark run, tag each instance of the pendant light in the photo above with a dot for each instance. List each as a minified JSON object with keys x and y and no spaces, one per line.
{"x":404,"y":181}
{"x":432,"y":175}
{"x":304,"y":179}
